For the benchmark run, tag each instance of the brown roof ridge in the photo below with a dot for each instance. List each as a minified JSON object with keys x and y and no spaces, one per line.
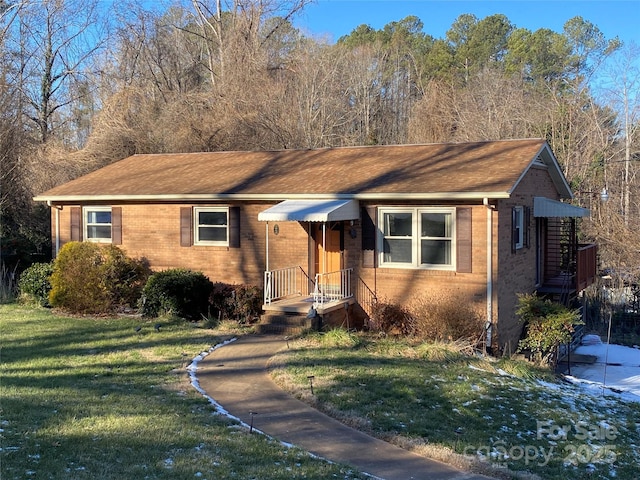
{"x":341,"y":147}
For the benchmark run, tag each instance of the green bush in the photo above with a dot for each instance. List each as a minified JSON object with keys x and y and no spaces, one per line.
{"x":35,"y":284}
{"x":89,"y":278}
{"x":548,"y":325}
{"x":179,"y":292}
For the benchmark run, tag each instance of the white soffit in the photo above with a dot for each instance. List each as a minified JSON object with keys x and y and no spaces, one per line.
{"x":545,"y":207}
{"x":311,"y":211}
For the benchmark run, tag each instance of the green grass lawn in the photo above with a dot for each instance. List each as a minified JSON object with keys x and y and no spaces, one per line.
{"x":92,"y":398}
{"x":497,"y":415}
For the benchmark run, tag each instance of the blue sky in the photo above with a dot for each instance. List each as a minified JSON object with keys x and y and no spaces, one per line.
{"x":335,"y":18}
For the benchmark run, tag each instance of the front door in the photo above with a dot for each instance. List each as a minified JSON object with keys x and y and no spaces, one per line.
{"x":328,"y":257}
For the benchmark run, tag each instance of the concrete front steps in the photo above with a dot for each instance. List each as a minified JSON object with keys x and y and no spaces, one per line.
{"x":281,"y":323}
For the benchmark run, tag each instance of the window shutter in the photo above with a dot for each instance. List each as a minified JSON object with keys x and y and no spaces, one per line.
{"x":526,"y":212}
{"x":234,"y":227}
{"x":76,"y":224}
{"x":463,"y":240}
{"x":514,"y":230}
{"x":116,"y":225}
{"x":369,"y":233}
{"x":186,"y":227}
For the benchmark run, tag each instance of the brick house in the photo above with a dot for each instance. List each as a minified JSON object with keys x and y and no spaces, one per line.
{"x":336,"y":228}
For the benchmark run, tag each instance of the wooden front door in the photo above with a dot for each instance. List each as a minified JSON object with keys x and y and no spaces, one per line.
{"x":328,"y":258}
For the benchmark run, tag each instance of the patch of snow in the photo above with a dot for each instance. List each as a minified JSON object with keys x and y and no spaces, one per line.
{"x":616,"y":371}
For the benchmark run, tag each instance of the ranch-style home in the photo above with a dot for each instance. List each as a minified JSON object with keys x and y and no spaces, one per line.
{"x":327,"y":231}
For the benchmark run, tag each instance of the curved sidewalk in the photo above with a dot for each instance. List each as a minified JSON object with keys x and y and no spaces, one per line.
{"x":235,"y":376}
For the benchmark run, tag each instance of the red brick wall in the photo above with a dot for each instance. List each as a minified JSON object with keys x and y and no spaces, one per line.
{"x":152,"y":231}
{"x":404,"y":286}
{"x":516,"y":272}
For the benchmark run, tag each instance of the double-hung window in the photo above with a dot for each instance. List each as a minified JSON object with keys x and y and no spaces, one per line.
{"x":518,"y":228}
{"x":417,"y":237}
{"x":97,"y":224}
{"x":211,"y":226}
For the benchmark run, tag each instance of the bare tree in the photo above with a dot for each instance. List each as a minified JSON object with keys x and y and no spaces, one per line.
{"x":621,"y":91}
{"x":56,"y":42}
{"x":233,"y":30}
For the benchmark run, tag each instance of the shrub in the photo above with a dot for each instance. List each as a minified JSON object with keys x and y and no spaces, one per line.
{"x":239,"y":302}
{"x":447,"y":316}
{"x":89,"y":278}
{"x":221,"y":305}
{"x":35,"y":283}
{"x":124,"y":277}
{"x":247,"y":302}
{"x":178,"y":292}
{"x":392,"y":318}
{"x":548,"y":325}
{"x":76,"y":282}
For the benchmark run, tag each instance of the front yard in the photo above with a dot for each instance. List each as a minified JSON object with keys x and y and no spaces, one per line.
{"x":95,"y":398}
{"x":500,"y":414}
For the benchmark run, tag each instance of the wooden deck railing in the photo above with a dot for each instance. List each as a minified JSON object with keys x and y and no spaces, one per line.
{"x":586,"y":266}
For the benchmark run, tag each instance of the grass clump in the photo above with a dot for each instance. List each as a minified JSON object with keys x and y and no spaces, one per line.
{"x":8,"y":283}
{"x":98,"y":400}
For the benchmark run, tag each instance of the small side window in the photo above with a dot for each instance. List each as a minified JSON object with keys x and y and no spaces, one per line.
{"x":518,"y":228}
{"x":97,"y":224}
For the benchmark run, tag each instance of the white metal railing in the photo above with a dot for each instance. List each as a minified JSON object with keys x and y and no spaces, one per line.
{"x":282,"y":283}
{"x":332,"y":286}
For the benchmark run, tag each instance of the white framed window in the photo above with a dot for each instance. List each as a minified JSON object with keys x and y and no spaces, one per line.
{"x":417,"y":237}
{"x":211,"y":226}
{"x":518,"y":227}
{"x":97,"y":224}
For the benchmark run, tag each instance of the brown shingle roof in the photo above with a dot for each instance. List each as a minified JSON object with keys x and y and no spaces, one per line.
{"x":422,"y":171}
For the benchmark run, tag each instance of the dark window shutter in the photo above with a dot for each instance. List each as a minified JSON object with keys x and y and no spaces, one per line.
{"x":76,"y":224}
{"x":186,"y":227}
{"x":526,"y":212}
{"x":514,"y":230}
{"x":234,"y":227}
{"x":463,"y":240}
{"x":116,"y":225}
{"x":369,"y":234}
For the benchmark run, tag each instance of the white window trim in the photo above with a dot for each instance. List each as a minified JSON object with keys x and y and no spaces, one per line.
{"x":86,"y":224}
{"x":416,"y":238}
{"x":520,"y":226}
{"x":196,"y":225}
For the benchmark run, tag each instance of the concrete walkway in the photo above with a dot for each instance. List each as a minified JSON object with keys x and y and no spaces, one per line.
{"x":235,"y":376}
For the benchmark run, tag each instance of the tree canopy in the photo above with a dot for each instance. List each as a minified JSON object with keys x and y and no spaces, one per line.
{"x":83,"y":86}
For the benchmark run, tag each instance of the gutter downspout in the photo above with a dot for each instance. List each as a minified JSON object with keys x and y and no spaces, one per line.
{"x":57,"y":245}
{"x":489,"y":322}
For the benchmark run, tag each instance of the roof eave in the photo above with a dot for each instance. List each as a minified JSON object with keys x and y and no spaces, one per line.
{"x":61,"y":199}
